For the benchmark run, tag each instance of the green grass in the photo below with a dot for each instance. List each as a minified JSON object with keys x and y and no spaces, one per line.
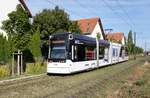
{"x":140,"y":82}
{"x":36,"y":68}
{"x":141,"y":87}
{"x":4,"y":71}
{"x":31,"y":69}
{"x":98,"y":83}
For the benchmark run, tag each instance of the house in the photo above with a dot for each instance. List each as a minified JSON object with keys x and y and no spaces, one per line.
{"x":116,"y":37}
{"x":8,"y":6}
{"x":91,"y":27}
{"x":23,"y":4}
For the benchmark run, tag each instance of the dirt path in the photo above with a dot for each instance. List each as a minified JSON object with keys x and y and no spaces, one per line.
{"x":93,"y":84}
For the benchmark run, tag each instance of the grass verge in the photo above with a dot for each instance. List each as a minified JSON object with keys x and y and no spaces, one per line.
{"x":36,"y":68}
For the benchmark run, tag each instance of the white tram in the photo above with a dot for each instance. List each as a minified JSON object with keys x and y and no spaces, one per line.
{"x":70,"y":53}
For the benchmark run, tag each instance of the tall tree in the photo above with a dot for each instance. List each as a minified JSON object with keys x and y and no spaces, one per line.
{"x":74,"y":27}
{"x":3,"y":49}
{"x":17,"y":27}
{"x":139,"y":49}
{"x":52,"y":21}
{"x":130,"y":42}
{"x":34,"y":45}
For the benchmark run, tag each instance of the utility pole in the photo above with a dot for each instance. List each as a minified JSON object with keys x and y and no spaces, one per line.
{"x":18,"y":62}
{"x":109,"y":30}
{"x":19,"y":55}
{"x":97,"y":47}
{"x":13,"y":72}
{"x":97,"y":44}
{"x":21,"y":60}
{"x":134,"y":45}
{"x":145,"y":45}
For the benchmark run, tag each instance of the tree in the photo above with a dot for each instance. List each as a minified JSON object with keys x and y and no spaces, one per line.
{"x":51,"y":21}
{"x":138,"y":50}
{"x":17,"y":28}
{"x":74,"y":27}
{"x":3,"y":49}
{"x":130,"y":43}
{"x":34,"y":45}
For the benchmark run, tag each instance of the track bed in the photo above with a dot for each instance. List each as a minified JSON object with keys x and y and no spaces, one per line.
{"x":92,"y":84}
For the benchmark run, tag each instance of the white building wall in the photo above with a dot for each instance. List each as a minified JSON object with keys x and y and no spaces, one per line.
{"x":96,"y":30}
{"x":6,"y":6}
{"x":123,"y":41}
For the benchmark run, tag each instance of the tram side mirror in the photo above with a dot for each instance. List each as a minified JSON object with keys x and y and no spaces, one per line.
{"x":70,"y":36}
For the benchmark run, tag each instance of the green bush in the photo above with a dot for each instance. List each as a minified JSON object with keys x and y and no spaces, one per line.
{"x":140,"y":82}
{"x":4,"y":71}
{"x":36,"y":68}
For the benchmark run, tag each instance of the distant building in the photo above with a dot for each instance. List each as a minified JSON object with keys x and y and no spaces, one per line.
{"x":147,"y":53}
{"x":116,"y":37}
{"x":91,"y":27}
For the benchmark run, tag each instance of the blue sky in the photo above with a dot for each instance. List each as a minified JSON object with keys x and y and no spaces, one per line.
{"x":120,"y":15}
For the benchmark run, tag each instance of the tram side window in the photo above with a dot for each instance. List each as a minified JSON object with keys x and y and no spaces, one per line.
{"x":90,"y":53}
{"x":101,"y":52}
{"x":106,"y":53}
{"x":126,"y":52}
{"x":114,"y":52}
{"x":85,"y":53}
{"x":121,"y":52}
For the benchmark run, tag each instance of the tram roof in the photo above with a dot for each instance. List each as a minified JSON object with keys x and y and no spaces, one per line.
{"x":92,"y":40}
{"x":85,"y":38}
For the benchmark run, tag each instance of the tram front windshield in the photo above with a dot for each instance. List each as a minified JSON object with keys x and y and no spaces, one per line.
{"x":58,"y":50}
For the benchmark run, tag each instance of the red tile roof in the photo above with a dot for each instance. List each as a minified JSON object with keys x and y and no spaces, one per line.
{"x":87,"y":25}
{"x":117,"y":36}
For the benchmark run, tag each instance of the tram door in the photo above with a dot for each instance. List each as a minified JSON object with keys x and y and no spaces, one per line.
{"x":79,"y":52}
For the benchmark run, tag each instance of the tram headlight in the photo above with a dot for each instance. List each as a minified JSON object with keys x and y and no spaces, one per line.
{"x":50,"y":61}
{"x":70,"y":36}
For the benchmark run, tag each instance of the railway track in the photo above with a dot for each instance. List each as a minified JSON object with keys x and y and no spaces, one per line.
{"x":87,"y":84}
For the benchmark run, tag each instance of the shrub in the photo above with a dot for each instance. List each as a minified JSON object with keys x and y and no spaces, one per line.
{"x":4,"y":71}
{"x":36,"y":68}
{"x":139,"y":82}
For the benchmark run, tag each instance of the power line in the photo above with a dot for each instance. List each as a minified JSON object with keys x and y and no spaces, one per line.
{"x":116,"y":13}
{"x":125,"y":12}
{"x":50,"y":2}
{"x":84,"y":7}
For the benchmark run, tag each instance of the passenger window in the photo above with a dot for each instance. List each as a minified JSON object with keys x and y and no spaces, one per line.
{"x":90,"y":53}
{"x":101,"y":52}
{"x":79,"y":53}
{"x":113,"y":52}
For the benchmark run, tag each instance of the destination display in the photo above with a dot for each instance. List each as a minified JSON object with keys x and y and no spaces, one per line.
{"x":58,"y":41}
